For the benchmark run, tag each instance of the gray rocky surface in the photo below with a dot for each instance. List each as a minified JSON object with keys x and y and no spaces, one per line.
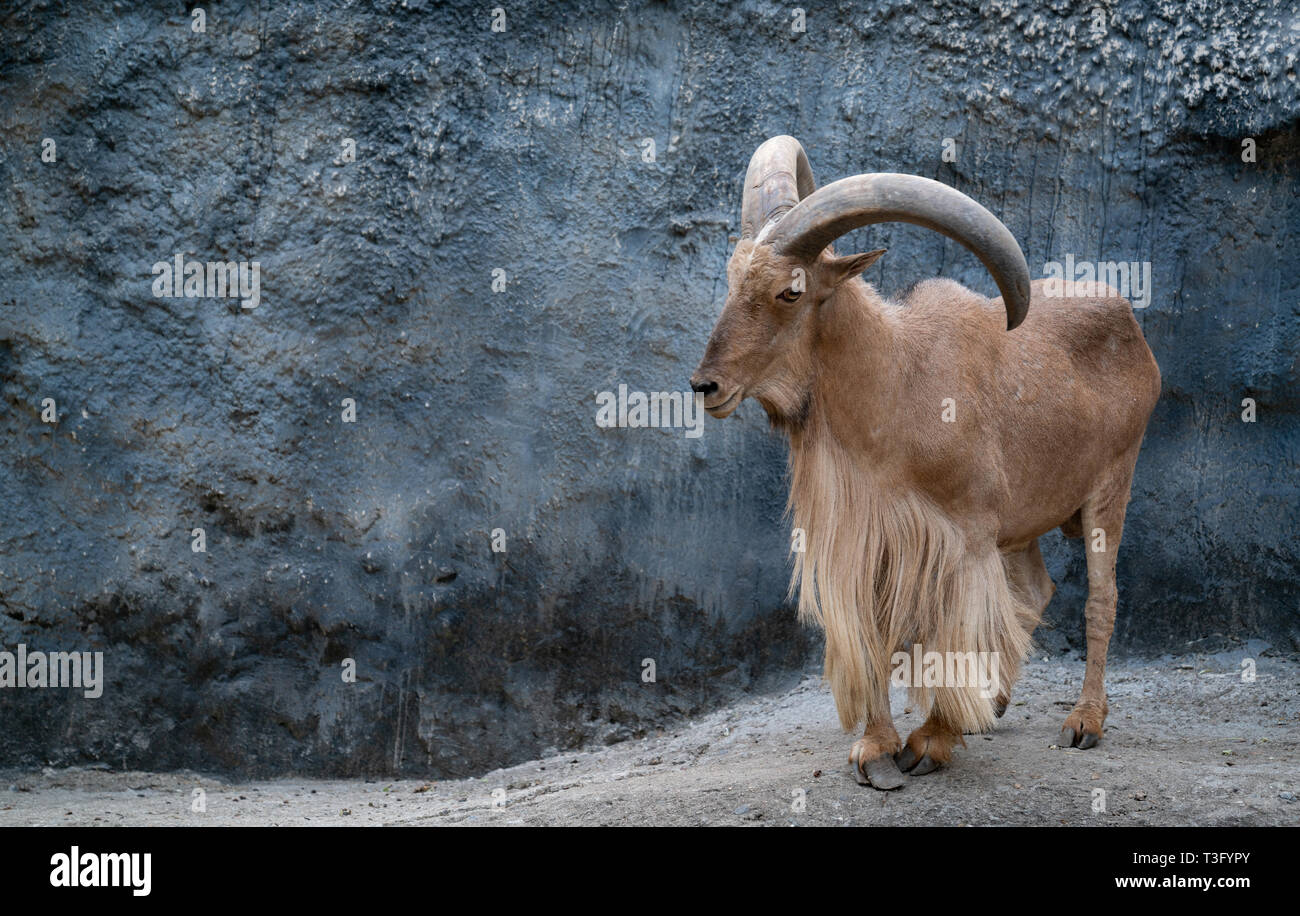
{"x":523,"y":151}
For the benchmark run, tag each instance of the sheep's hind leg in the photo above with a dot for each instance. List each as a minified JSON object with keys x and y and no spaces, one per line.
{"x":1103,"y":525}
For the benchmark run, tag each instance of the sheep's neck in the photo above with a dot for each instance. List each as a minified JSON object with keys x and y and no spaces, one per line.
{"x":853,"y":389}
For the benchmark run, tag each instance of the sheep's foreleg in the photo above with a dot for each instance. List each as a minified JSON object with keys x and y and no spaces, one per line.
{"x":930,"y":746}
{"x":872,"y":755}
{"x":1030,"y":578}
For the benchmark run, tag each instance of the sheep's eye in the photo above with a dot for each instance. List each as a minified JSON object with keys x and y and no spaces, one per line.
{"x":790,"y":295}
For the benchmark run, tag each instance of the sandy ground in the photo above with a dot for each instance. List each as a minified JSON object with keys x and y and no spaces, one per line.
{"x":1187,"y":742}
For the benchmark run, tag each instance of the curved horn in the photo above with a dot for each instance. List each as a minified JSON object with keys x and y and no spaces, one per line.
{"x":778,"y":178}
{"x":886,"y":197}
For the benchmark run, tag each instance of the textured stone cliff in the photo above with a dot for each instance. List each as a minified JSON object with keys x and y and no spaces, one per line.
{"x":1111,"y":136}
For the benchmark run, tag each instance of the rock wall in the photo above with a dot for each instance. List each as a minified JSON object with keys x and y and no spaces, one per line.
{"x":494,"y":247}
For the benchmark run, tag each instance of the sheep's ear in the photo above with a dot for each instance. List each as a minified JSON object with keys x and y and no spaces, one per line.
{"x":852,"y":264}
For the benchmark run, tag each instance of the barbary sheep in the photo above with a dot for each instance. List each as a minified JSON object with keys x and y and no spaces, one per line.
{"x":929,"y":447}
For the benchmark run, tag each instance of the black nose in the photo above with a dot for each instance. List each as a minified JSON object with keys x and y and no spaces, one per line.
{"x":705,"y":388}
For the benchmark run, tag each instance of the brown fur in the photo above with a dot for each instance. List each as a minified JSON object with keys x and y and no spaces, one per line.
{"x":922,"y":530}
{"x":883,"y":567}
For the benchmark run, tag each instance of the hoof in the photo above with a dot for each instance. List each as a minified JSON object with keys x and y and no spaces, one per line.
{"x":928,"y":749}
{"x":1000,"y":706}
{"x":872,"y":761}
{"x":1082,"y":727}
{"x":921,"y":767}
{"x":1081,"y":739}
{"x":881,"y":773}
{"x":908,"y":762}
